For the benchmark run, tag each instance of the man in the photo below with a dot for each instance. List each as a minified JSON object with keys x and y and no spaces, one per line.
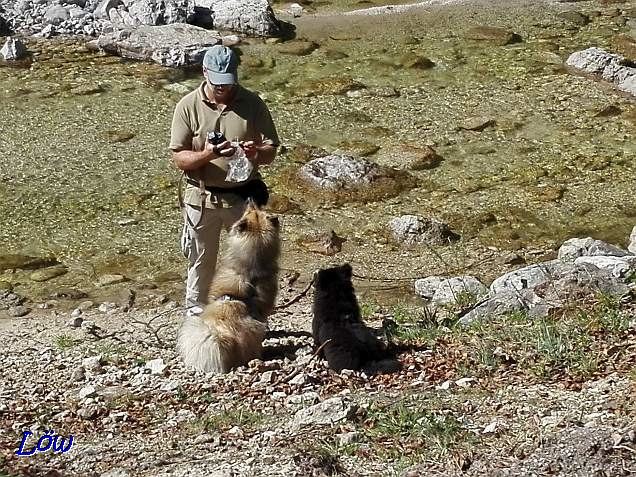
{"x":210,"y":202}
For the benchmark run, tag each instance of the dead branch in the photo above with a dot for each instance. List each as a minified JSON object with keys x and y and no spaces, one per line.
{"x":297,"y":297}
{"x":296,"y":371}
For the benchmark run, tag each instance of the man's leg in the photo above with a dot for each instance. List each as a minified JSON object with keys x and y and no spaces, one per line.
{"x":200,"y":245}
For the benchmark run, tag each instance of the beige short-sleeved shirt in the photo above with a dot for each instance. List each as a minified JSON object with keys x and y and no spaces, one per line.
{"x":247,"y":118}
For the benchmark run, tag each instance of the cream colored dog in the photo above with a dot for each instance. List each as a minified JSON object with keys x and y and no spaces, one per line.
{"x":231,"y":329}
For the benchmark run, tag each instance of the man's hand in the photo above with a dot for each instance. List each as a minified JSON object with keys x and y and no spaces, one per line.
{"x":251,"y":150}
{"x":224,"y":149}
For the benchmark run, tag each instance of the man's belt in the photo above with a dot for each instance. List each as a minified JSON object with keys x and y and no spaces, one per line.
{"x":255,"y":189}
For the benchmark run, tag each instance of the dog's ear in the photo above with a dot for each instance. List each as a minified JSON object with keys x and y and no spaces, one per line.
{"x":241,"y":225}
{"x":347,"y":271}
{"x":250,"y":203}
{"x":274,"y":221}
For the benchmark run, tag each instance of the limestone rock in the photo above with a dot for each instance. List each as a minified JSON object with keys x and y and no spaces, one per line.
{"x":607,"y":66}
{"x":579,"y":247}
{"x":13,"y":49}
{"x":456,"y":290}
{"x":618,"y":267}
{"x":251,"y":17}
{"x":339,"y":172}
{"x":174,"y":45}
{"x":159,"y":12}
{"x":412,"y":229}
{"x":530,"y":277}
{"x":327,"y":412}
{"x":426,"y":287}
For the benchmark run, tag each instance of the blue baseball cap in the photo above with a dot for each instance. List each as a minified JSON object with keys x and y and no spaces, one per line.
{"x":221,"y":64}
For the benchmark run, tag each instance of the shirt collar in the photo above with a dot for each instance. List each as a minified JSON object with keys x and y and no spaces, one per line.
{"x":203,"y":97}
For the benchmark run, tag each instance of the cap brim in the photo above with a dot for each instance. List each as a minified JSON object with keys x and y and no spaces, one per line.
{"x":222,"y":78}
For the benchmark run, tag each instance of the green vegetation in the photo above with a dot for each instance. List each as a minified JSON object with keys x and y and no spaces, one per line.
{"x":64,"y":342}
{"x":577,"y":343}
{"x":240,"y":416}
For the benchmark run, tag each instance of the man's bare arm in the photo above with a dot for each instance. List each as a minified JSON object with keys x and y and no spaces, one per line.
{"x":191,"y":160}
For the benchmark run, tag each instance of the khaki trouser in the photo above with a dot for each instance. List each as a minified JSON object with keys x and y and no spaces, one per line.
{"x":200,"y":245}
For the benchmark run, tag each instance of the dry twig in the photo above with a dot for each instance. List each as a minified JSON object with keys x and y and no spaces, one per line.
{"x":294,"y":373}
{"x":297,"y":297}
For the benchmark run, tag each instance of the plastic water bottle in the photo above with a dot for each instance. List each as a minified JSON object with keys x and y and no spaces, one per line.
{"x":240,"y":166}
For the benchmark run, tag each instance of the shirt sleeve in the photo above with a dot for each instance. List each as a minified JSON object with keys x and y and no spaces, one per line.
{"x":269,"y":135}
{"x":180,"y":132}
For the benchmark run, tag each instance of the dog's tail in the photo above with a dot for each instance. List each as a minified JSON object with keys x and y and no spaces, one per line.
{"x":199,"y":347}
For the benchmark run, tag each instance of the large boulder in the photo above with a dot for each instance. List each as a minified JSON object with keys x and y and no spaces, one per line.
{"x":530,"y":277}
{"x":505,"y":303}
{"x":608,"y":66}
{"x":632,"y":241}
{"x":174,"y":45}
{"x":251,"y":17}
{"x":545,"y":287}
{"x":159,"y":12}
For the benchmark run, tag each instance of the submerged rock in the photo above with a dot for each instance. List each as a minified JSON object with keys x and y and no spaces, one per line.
{"x":339,"y":172}
{"x":25,"y":262}
{"x":412,"y":230}
{"x":607,"y":66}
{"x":298,"y":47}
{"x":173,"y":45}
{"x":48,"y":273}
{"x":495,"y":35}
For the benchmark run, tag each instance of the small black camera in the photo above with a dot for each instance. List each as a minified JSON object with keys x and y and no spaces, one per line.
{"x":215,"y":137}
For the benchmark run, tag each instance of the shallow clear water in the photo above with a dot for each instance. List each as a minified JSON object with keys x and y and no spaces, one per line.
{"x":83,"y":137}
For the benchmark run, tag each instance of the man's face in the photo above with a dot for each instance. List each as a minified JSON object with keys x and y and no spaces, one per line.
{"x":220,"y":91}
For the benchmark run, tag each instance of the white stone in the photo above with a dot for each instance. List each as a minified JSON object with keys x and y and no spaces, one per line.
{"x":87,"y":391}
{"x":156,"y":366}
{"x":618,"y":267}
{"x":327,"y":412}
{"x":13,"y":49}
{"x":296,"y":10}
{"x":454,"y":290}
{"x":93,"y":363}
{"x":579,"y":247}
{"x":426,"y":287}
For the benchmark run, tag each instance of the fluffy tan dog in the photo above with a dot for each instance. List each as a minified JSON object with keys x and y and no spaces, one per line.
{"x":231,"y":329}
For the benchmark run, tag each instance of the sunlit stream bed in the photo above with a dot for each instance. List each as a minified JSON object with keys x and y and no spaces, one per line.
{"x":86,"y":176}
